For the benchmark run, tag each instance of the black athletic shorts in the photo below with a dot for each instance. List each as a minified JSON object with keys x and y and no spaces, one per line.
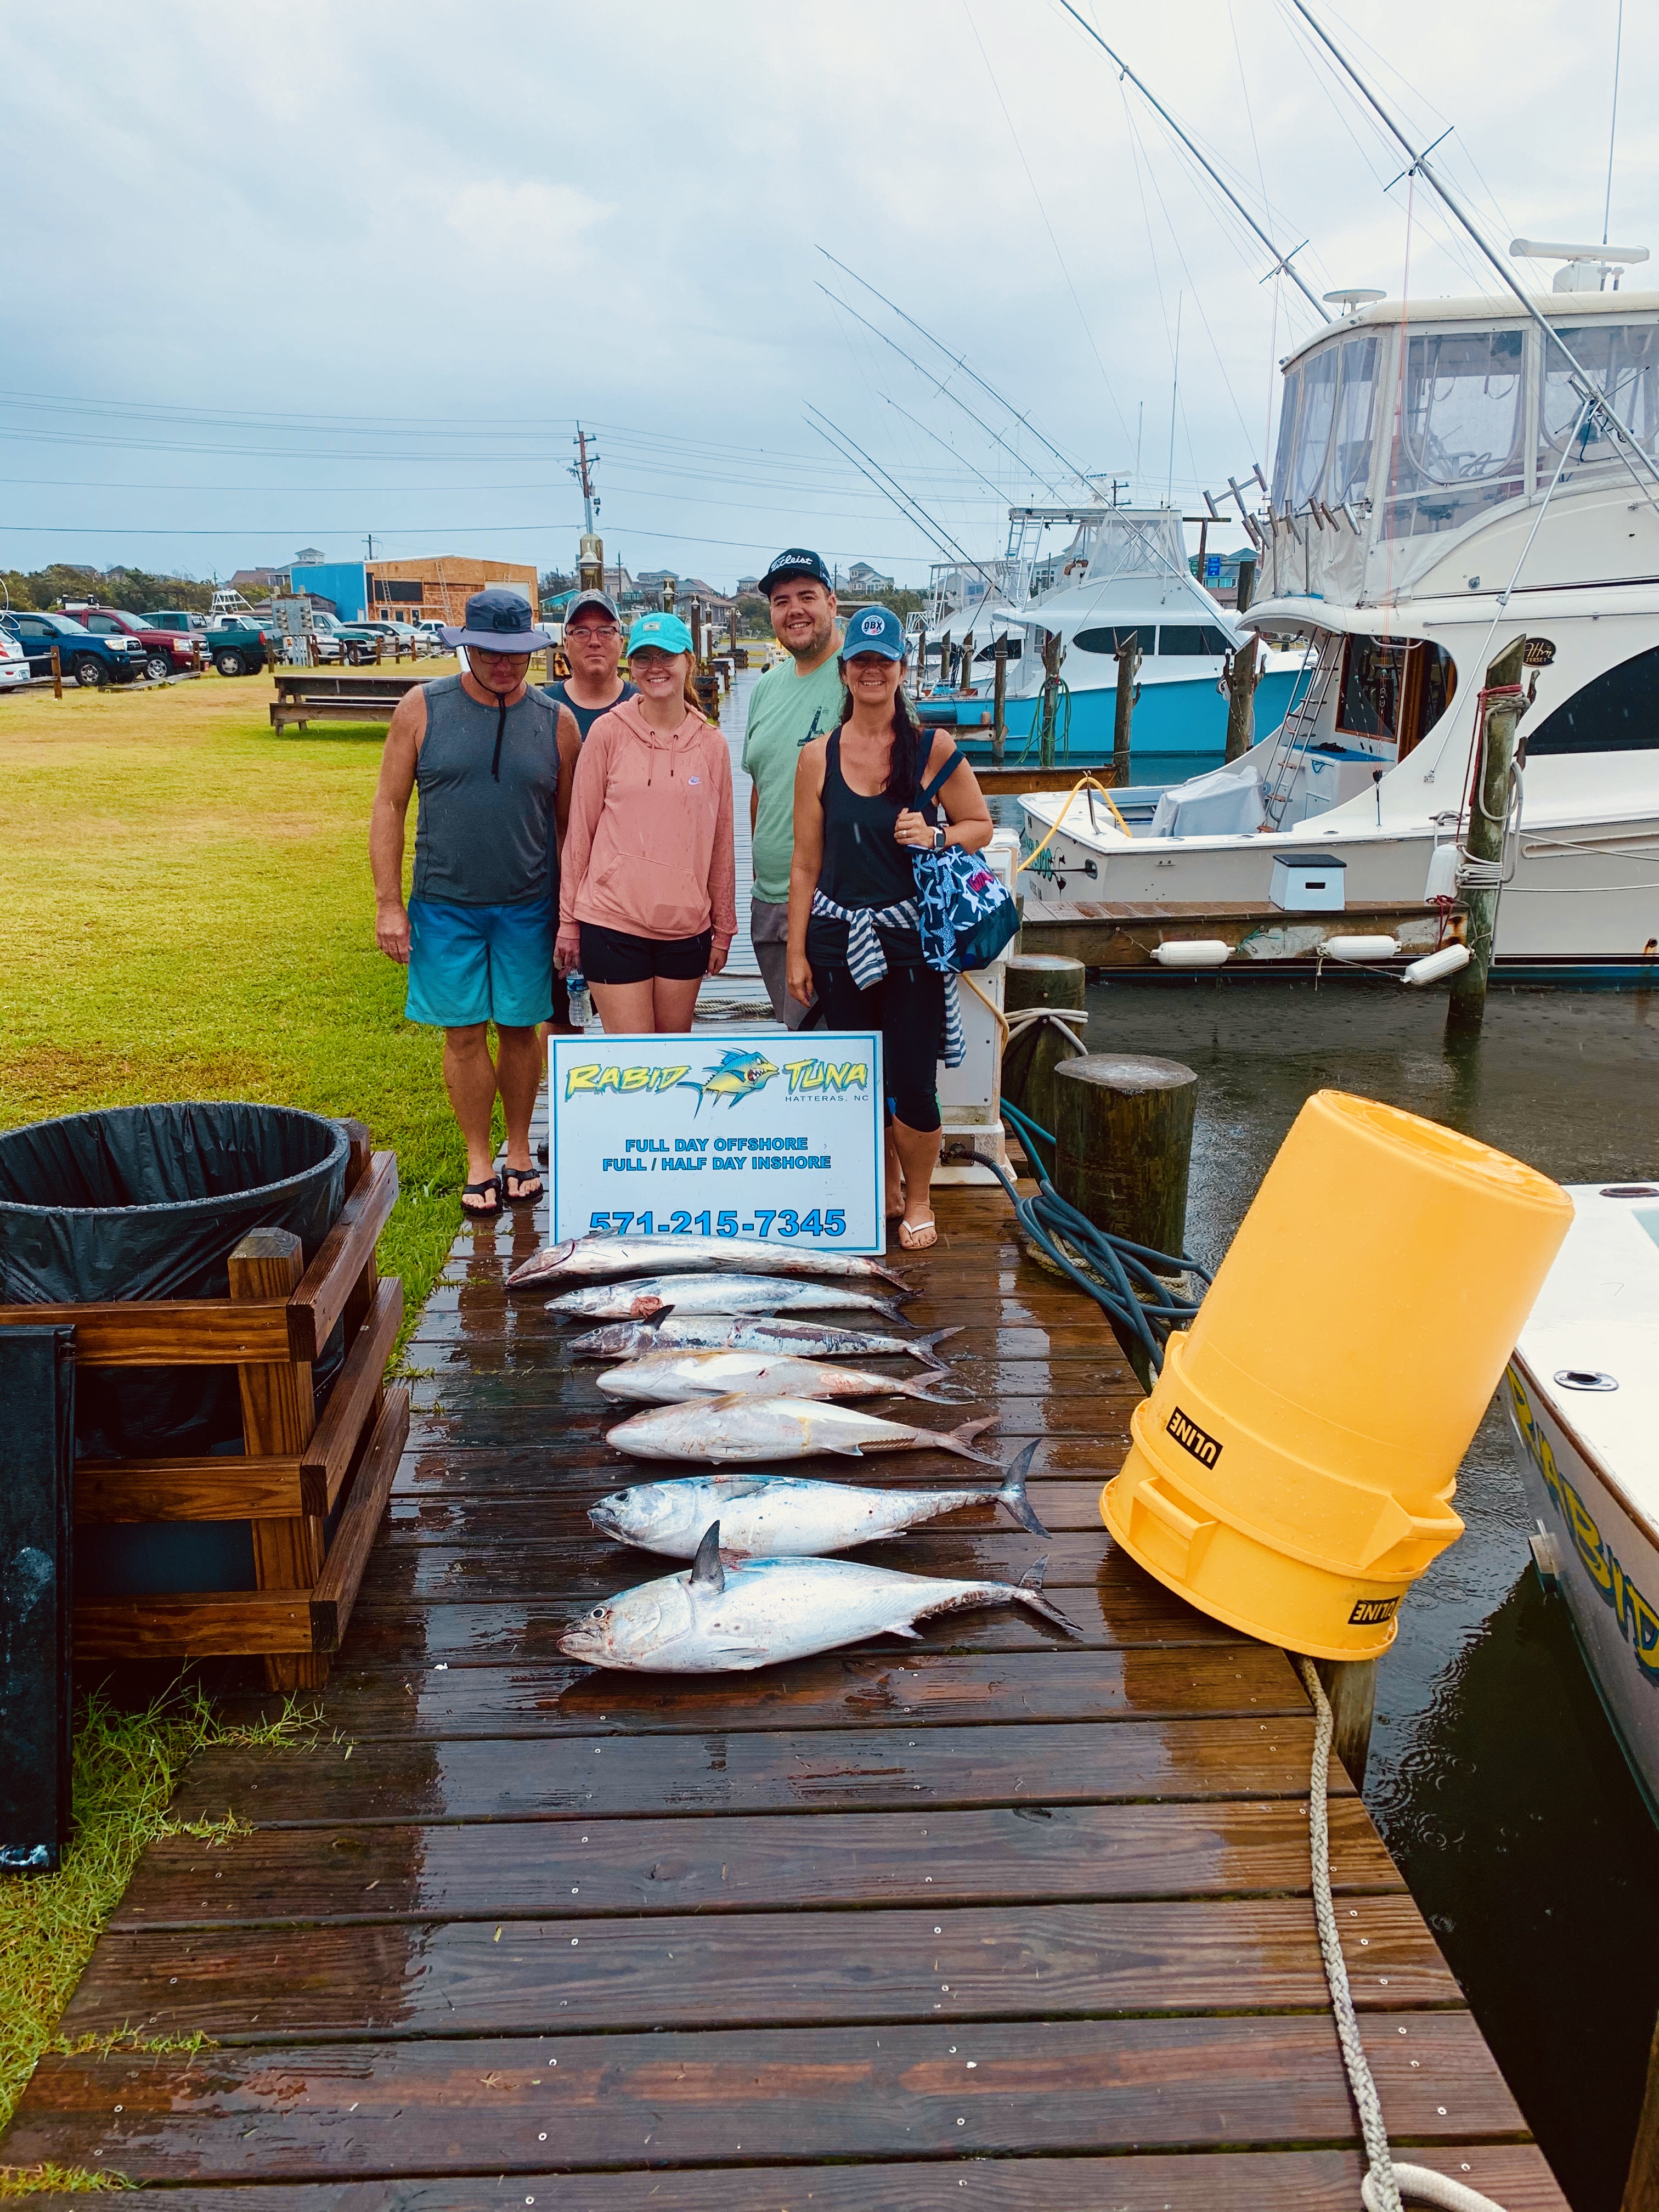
{"x":612,"y":956}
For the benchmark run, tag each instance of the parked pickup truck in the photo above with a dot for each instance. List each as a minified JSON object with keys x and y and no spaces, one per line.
{"x":88,"y":659}
{"x":238,"y":648}
{"x":167,"y":652}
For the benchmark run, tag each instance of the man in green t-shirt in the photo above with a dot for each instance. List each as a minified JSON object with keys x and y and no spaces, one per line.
{"x":798,"y":700}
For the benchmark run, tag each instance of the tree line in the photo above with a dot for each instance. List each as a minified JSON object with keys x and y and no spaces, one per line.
{"x":134,"y":590}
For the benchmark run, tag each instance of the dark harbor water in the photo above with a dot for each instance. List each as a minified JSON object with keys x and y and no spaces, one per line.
{"x":1494,"y":1774}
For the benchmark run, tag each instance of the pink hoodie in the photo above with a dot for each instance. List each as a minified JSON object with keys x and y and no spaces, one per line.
{"x":648,"y":846}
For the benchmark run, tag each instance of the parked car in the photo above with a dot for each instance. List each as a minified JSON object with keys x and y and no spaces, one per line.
{"x":353,"y":642}
{"x":238,"y":648}
{"x":268,"y":628}
{"x":90,"y":660}
{"x":431,"y":635}
{"x":14,"y":661}
{"x":167,"y":652}
{"x":180,"y":619}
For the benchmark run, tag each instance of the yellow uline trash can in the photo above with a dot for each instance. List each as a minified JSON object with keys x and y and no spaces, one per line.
{"x":1291,"y":1472}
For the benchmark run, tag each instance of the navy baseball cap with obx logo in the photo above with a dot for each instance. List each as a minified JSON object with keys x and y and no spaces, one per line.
{"x":795,"y":561}
{"x":874,"y":630}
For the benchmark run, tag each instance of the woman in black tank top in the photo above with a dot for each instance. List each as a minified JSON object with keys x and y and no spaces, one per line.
{"x":853,"y":938}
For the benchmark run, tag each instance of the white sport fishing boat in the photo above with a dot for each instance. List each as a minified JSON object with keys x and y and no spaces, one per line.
{"x":1584,"y":1398}
{"x":1438,"y":494}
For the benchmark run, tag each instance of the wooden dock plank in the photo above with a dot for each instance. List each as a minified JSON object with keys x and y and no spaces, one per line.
{"x":999,"y":1918}
{"x":1512,"y":2174}
{"x":561,"y":1977}
{"x":745,"y":1864}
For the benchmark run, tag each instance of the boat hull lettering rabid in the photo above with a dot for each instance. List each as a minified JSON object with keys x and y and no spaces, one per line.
{"x":754,"y":1431}
{"x":602,"y":1258}
{"x":716,"y":1619}
{"x":787,"y":1515}
{"x":683,"y":1294}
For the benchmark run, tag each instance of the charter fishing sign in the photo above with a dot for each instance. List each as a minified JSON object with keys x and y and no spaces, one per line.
{"x":719,"y":1135}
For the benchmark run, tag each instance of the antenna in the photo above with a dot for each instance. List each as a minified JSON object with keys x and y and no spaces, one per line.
{"x":1281,"y":261}
{"x":1583,"y":382}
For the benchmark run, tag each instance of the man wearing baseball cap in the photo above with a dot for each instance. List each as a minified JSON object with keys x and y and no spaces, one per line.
{"x":797,"y":701}
{"x":592,"y":646}
{"x":494,"y":761}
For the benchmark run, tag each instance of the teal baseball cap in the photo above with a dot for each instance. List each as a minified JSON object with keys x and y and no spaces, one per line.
{"x":660,"y":633}
{"x":874,"y":630}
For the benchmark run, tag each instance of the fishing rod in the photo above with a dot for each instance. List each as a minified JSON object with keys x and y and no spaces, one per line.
{"x":1065,"y":460}
{"x":911,"y":508}
{"x":1282,"y":262}
{"x":937,"y":441}
{"x":1587,"y":388}
{"x":945,"y":389}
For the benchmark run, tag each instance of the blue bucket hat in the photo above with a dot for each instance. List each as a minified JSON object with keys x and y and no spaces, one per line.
{"x":660,"y":633}
{"x":498,"y":621}
{"x":874,"y":630}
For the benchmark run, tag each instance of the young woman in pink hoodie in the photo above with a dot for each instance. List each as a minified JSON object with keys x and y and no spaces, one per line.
{"x":647,"y":903}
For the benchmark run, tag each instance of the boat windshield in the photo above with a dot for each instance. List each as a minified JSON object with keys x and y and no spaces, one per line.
{"x":1325,"y":428}
{"x":1623,"y":359}
{"x":1459,"y":449}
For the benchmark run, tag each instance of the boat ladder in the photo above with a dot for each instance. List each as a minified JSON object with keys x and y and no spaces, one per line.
{"x":1295,"y":733}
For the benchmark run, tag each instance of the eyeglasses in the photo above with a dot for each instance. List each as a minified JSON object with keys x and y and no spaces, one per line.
{"x":593,"y":632}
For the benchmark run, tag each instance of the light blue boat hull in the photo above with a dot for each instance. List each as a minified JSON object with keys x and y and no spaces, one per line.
{"x":1179,"y":729}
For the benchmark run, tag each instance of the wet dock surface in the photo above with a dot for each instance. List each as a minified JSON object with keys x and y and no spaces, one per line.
{"x":994,"y":1919}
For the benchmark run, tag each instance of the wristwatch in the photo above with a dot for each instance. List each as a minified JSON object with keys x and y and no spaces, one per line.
{"x":940,"y":840}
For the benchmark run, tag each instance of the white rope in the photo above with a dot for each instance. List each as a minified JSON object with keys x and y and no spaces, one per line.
{"x":1385,"y":2185}
{"x":1065,"y":1019}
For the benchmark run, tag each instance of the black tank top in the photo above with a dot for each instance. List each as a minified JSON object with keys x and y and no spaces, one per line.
{"x":863,"y":865}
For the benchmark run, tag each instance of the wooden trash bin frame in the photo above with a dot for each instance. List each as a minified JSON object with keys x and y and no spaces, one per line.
{"x":298,"y":1465}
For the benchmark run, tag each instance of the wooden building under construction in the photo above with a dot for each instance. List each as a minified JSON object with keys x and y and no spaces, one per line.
{"x":436,"y":588}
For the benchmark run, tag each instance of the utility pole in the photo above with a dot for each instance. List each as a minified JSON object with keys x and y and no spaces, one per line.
{"x":590,"y":556}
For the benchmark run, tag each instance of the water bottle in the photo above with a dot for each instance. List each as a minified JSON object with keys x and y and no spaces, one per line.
{"x":581,"y":1004}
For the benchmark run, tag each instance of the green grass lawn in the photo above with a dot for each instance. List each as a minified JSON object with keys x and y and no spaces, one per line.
{"x":186,"y":912}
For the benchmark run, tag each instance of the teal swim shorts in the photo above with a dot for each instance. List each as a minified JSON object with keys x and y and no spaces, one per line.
{"x":480,"y":964}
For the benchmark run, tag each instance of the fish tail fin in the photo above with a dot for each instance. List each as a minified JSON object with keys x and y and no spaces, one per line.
{"x":1012,"y":1493}
{"x":921,"y":1347}
{"x":1027,"y":1592}
{"x":960,"y":1440}
{"x":888,"y":1310}
{"x":902,"y":1284}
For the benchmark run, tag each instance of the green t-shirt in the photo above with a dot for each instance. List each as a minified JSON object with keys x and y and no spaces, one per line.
{"x":785,"y":711}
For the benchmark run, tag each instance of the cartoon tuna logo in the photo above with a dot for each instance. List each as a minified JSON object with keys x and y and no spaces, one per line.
{"x":738,"y":1075}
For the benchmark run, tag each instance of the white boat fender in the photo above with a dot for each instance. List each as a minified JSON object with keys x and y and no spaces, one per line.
{"x":1385,"y":2186}
{"x":1361,"y":948}
{"x":1435,"y":967}
{"x":1192,"y":952}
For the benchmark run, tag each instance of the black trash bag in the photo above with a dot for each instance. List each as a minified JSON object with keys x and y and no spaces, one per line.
{"x":147,"y":1202}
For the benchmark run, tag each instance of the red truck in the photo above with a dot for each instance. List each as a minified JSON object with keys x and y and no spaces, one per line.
{"x":167,"y":652}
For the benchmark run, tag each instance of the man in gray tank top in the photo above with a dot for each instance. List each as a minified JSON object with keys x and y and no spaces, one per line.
{"x":493,"y":761}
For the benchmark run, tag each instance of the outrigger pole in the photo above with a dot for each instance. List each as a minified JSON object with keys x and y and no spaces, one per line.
{"x":1282,"y":262}
{"x":1586,"y":386}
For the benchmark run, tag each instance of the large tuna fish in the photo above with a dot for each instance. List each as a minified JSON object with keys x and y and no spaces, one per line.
{"x":786,"y":1516}
{"x":716,"y":1619}
{"x":632,"y":1339}
{"x":739,"y":1432}
{"x":668,"y":1378}
{"x":715,"y":1294}
{"x":597,"y":1258}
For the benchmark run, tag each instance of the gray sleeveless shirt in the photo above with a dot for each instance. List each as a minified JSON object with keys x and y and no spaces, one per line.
{"x":484,"y":829}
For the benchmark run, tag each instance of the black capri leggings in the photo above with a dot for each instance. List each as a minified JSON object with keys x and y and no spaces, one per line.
{"x":907,"y":1007}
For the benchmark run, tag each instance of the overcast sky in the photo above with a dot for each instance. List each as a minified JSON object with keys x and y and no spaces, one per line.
{"x":281,"y":277}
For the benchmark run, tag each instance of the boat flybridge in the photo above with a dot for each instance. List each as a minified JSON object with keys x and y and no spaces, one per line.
{"x":1438,"y":493}
{"x":1124,"y":577}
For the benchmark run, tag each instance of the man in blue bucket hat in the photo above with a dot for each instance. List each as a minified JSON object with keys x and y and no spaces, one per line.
{"x":493,"y":760}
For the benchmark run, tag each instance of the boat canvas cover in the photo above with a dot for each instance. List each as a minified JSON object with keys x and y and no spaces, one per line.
{"x":1225,"y":803}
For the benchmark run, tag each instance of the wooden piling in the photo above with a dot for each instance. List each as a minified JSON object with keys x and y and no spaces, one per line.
{"x":57,"y":673}
{"x":945,"y":662}
{"x":1241,"y":673}
{"x":1000,"y":700}
{"x":1128,"y":668}
{"x":1350,"y":1685}
{"x":1642,"y":2182}
{"x":965,"y":667}
{"x":1123,"y":1131}
{"x":1036,"y":1048}
{"x":1051,"y":658}
{"x":921,"y":679}
{"x":1500,"y":711}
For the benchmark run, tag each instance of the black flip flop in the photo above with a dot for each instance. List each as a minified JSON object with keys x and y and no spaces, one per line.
{"x":524,"y":1197}
{"x":491,"y":1183}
